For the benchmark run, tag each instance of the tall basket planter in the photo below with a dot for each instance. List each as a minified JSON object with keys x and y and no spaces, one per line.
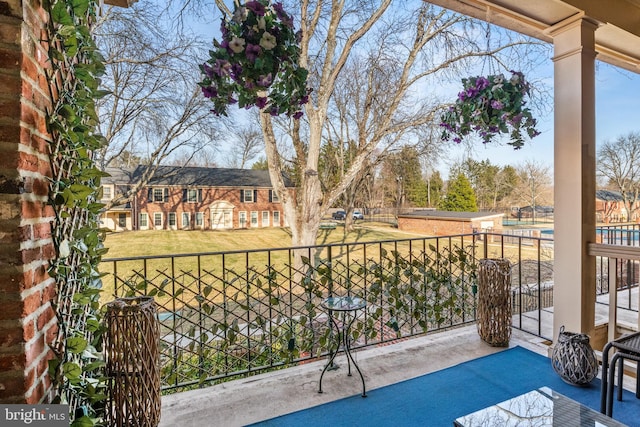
{"x":494,"y":301}
{"x":132,"y":362}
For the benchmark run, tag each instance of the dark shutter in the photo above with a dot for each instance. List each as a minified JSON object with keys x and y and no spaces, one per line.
{"x":199,"y":194}
{"x":255,"y":196}
{"x":166,"y":195}
{"x":184,"y":195}
{"x":150,"y":195}
{"x":270,"y":196}
{"x":241,"y":196}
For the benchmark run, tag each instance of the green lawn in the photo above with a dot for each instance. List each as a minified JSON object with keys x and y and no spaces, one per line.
{"x":168,"y":242}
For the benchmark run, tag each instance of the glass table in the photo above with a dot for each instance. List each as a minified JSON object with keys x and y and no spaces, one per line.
{"x":346,"y":308}
{"x":537,"y":408}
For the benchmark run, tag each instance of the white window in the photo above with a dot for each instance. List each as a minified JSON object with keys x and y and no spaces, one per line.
{"x":248,"y":196}
{"x":106,"y":192}
{"x":186,"y":219}
{"x":158,"y":195}
{"x":144,"y":220}
{"x":172,"y":219}
{"x":192,"y":195}
{"x":265,"y":218}
{"x":254,"y":218}
{"x":157,"y":220}
{"x":274,"y":197}
{"x":199,"y":219}
{"x":276,"y":219}
{"x":242,"y":219}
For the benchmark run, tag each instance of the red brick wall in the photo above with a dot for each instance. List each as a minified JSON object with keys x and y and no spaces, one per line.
{"x":27,"y":319}
{"x":209,"y":196}
{"x":439,"y":227}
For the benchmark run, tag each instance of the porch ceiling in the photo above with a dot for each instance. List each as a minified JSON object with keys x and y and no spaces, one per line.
{"x":617,"y":37}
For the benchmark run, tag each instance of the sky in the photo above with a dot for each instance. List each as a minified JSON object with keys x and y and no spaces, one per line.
{"x":617,"y":114}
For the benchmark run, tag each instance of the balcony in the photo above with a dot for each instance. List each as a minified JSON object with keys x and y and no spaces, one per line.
{"x":247,"y":315}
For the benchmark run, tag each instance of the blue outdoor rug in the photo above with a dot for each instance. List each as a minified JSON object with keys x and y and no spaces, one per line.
{"x":438,"y":398}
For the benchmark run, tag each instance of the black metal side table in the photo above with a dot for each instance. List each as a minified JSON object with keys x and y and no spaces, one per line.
{"x":346,"y":308}
{"x":627,"y":347}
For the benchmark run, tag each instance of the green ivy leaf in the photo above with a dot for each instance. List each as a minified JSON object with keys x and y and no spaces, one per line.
{"x":71,"y":370}
{"x":60,"y":15}
{"x":76,"y":345}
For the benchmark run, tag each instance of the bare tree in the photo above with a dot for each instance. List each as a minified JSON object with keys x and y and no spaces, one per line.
{"x":534,"y":186}
{"x":153,"y":108}
{"x":618,"y":162}
{"x":406,"y":50}
{"x":245,"y":143}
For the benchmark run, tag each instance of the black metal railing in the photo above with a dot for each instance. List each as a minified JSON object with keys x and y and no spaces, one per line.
{"x":230,"y":314}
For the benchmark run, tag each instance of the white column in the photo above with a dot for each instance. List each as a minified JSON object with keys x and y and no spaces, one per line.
{"x":574,"y":174}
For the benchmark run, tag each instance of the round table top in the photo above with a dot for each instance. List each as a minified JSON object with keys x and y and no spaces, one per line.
{"x":344,"y":303}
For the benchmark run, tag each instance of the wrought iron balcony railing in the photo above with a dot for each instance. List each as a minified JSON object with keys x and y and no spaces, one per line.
{"x":230,"y":314}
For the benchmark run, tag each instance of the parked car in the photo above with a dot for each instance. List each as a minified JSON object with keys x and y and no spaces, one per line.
{"x":339,"y":215}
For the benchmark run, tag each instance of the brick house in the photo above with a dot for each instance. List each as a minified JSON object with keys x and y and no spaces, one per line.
{"x":445,"y":223}
{"x":610,"y":207}
{"x":188,"y":198}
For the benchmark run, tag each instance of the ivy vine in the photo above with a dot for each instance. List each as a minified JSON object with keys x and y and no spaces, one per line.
{"x":74,"y":76}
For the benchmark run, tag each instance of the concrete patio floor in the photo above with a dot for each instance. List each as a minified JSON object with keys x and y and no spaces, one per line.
{"x":264,"y":396}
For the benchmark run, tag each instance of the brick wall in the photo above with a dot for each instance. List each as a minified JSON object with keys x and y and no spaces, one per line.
{"x":209,"y":195}
{"x":444,"y":227}
{"x":27,"y":319}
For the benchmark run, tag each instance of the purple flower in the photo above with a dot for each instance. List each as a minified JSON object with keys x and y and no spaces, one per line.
{"x":461,"y":96}
{"x":282,"y":15}
{"x":274,"y":111}
{"x":482,"y":83}
{"x":208,"y":71}
{"x":256,"y":7}
{"x":495,"y":104}
{"x":223,"y":28}
{"x":236,"y":71}
{"x":261,"y":102}
{"x":249,"y":85}
{"x":231,"y":100}
{"x":297,"y":115}
{"x":304,"y":100}
{"x":252,"y":51}
{"x":472,"y":92}
{"x":457,"y":139}
{"x":221,"y":67}
{"x":265,"y":81}
{"x":209,"y":92}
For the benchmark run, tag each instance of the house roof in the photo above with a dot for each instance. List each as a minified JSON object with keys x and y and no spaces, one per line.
{"x":194,"y":176}
{"x":450,"y":215}
{"x":608,"y":195}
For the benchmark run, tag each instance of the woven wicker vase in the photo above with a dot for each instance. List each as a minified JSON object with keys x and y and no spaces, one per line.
{"x":494,"y":301}
{"x":574,"y":359}
{"x":132,"y":358}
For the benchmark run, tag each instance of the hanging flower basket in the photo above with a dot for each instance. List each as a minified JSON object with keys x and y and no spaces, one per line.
{"x":256,"y":63}
{"x":490,"y":106}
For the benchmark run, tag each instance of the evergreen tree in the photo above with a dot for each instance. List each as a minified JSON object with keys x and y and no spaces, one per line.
{"x":435,"y":186}
{"x":460,"y":196}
